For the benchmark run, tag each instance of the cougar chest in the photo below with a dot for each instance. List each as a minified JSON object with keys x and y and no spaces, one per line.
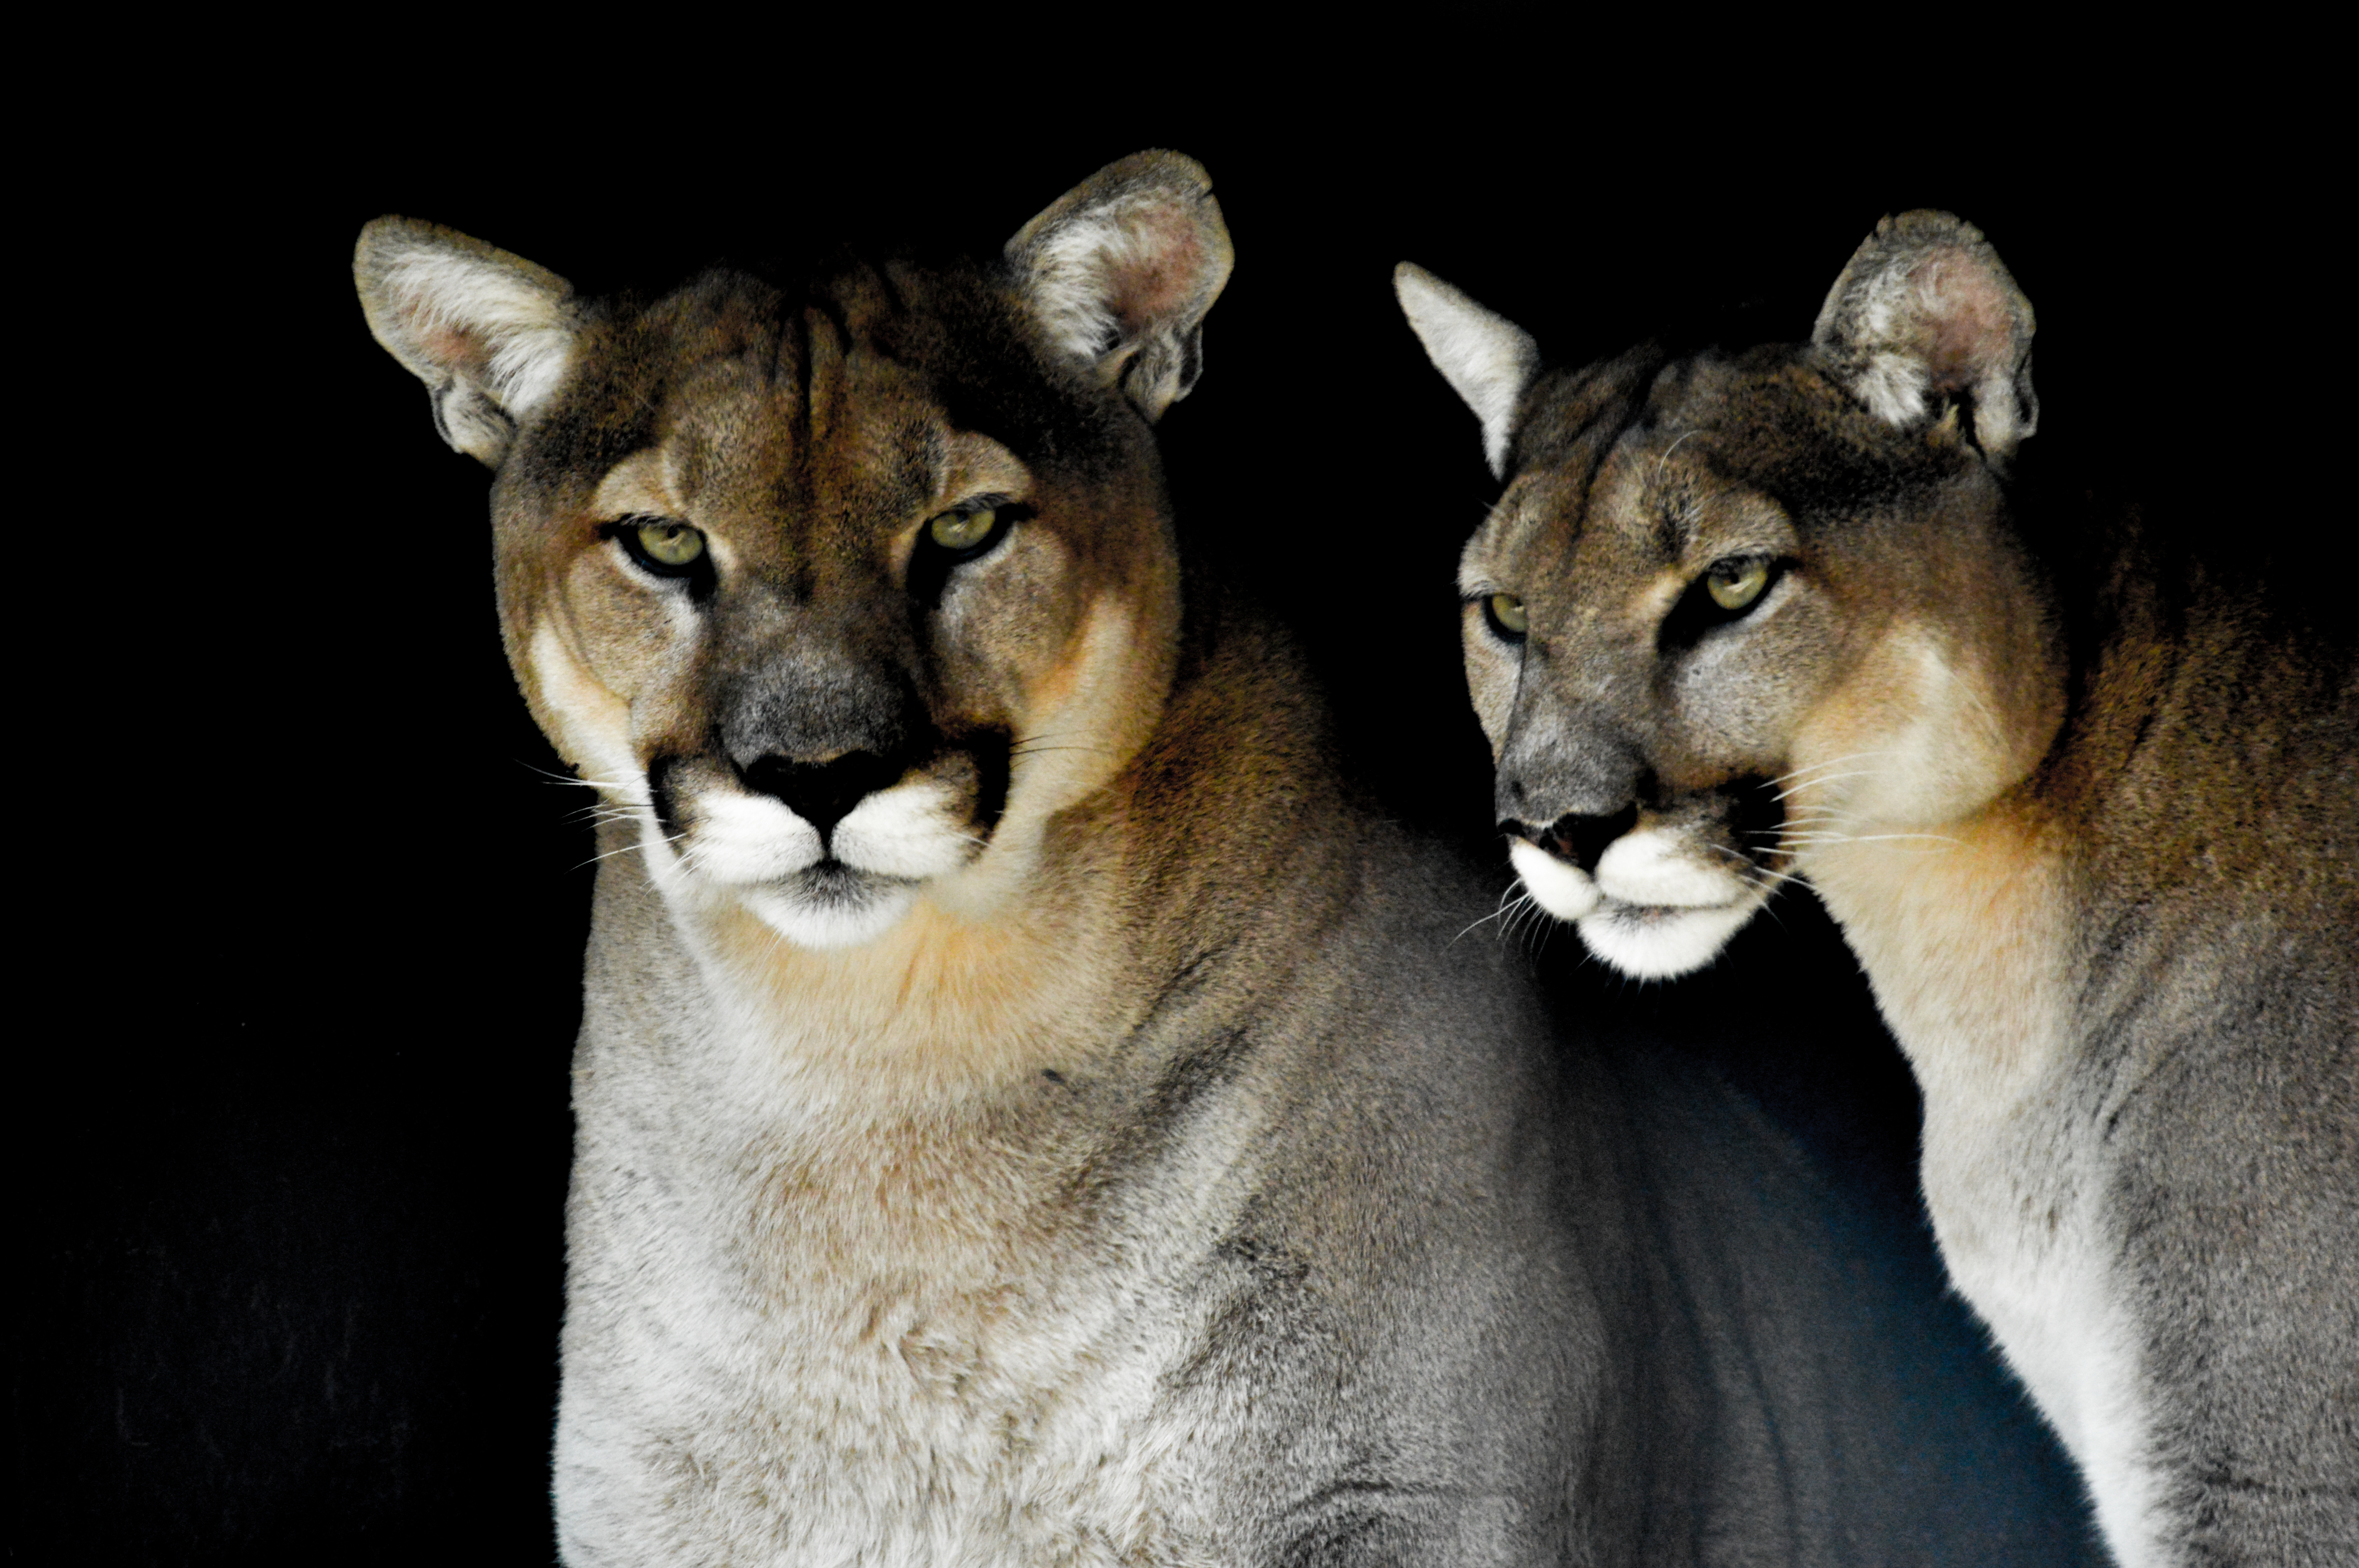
{"x":909,"y":1344}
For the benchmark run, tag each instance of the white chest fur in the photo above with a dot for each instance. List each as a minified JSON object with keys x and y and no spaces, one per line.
{"x":769,"y":1363}
{"x":801,"y":1334}
{"x":2017,"y":1202}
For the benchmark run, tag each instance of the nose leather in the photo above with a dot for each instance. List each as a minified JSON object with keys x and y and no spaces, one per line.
{"x":1575,"y":836}
{"x":823,"y":794}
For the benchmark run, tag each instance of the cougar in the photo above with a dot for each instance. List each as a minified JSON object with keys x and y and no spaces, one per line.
{"x":1026,"y":1111}
{"x":2081,"y":797}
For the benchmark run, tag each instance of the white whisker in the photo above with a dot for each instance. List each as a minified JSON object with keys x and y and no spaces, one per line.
{"x":1828,"y":778}
{"x":1829,"y":763}
{"x":607,"y":811}
{"x":1504,"y":899}
{"x":626,"y":848}
{"x":1750,"y":864}
{"x":1822,"y":837}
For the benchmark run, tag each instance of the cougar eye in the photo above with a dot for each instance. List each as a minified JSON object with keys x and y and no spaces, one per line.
{"x":965,"y":532}
{"x":1730,"y":589}
{"x":663,"y":546}
{"x":1736,"y":582}
{"x":1507,"y":616}
{"x":950,"y":539}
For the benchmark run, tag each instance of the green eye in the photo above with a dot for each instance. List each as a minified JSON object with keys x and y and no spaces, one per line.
{"x":668,"y":543}
{"x":1508,"y":616}
{"x":1734,"y":584}
{"x":963,"y":530}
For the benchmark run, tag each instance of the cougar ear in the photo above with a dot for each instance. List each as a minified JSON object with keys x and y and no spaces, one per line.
{"x":1122,"y":269}
{"x":1487,"y":360}
{"x":490,"y":334}
{"x":1925,"y":312}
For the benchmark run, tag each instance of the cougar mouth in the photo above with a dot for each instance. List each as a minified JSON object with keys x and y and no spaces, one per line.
{"x":1660,"y":898}
{"x":832,"y":904}
{"x":833,"y":874}
{"x":832,"y":882}
{"x":1659,"y":942}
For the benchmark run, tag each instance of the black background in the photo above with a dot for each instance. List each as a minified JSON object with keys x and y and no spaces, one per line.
{"x":300,"y":1160}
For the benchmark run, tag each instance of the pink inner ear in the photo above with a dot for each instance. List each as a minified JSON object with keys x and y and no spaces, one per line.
{"x":452,"y":348}
{"x":1969,"y":331}
{"x":1157,"y":276}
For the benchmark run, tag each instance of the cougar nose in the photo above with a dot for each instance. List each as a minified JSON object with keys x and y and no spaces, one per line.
{"x":823,"y":794}
{"x":1575,"y":836}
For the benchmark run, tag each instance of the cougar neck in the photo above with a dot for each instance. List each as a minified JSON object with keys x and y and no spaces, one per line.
{"x":1964,"y":934}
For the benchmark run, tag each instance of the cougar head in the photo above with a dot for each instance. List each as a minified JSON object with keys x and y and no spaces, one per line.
{"x":1735,"y":613}
{"x":838,"y":588}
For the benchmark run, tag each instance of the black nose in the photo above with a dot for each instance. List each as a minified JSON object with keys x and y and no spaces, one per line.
{"x":823,"y":794}
{"x":1577,"y":838}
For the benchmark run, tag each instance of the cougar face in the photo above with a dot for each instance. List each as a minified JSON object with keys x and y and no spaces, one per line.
{"x":818,"y":636}
{"x":1708,"y":632}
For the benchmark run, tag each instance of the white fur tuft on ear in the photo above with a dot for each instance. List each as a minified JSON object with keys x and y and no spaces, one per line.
{"x":1488,"y":360}
{"x":1926,"y":310}
{"x":1122,"y":269}
{"x":490,"y":334}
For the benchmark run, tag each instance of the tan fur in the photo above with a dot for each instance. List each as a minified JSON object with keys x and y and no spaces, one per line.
{"x":1970,"y":928}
